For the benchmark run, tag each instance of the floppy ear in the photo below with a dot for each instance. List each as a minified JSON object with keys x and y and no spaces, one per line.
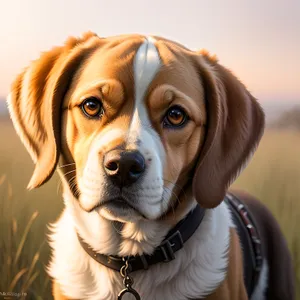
{"x":234,"y":129}
{"x":35,"y":102}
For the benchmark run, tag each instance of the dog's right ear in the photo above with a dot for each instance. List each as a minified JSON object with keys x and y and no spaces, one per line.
{"x":35,"y":102}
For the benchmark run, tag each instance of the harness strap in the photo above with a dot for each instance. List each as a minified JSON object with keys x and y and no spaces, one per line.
{"x":249,"y":239}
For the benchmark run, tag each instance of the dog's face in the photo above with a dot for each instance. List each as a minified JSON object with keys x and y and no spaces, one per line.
{"x":133,"y":124}
{"x":135,"y":121}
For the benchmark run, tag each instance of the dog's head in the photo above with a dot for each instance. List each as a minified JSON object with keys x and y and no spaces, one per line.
{"x":135,"y":121}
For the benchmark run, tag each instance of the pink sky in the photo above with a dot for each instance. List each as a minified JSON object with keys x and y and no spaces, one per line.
{"x":258,"y":40}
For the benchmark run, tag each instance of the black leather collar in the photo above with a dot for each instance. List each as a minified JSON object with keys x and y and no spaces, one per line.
{"x":163,"y":253}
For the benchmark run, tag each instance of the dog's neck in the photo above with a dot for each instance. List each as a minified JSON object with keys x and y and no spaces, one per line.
{"x":205,"y":255}
{"x":121,"y":239}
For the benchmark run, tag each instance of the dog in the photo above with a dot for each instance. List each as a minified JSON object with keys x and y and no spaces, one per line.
{"x":148,"y":136}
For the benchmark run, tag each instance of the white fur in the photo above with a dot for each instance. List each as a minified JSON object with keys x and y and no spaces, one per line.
{"x":198,"y":269}
{"x":261,"y":287}
{"x":153,"y":198}
{"x":146,"y":65}
{"x":92,"y":182}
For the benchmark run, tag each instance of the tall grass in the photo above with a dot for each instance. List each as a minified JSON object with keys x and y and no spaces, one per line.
{"x":24,"y":251}
{"x":20,"y":263}
{"x":273,"y":176}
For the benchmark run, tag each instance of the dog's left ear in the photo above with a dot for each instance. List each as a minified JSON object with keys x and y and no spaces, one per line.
{"x":36,"y":98}
{"x":234,"y":129}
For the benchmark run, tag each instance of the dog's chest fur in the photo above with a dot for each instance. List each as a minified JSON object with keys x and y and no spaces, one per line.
{"x":198,"y":269}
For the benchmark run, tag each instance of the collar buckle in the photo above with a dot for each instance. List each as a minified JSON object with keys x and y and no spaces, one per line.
{"x":166,"y":246}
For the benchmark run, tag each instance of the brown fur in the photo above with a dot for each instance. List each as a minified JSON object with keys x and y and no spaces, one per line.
{"x":226,"y":122}
{"x":235,"y":128}
{"x":232,"y":287}
{"x":56,"y":292}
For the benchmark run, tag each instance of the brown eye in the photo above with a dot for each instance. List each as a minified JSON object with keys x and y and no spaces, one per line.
{"x":175,"y":117}
{"x":92,"y":107}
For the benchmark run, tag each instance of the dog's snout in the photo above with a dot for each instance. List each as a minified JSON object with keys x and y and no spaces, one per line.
{"x":124,"y":167}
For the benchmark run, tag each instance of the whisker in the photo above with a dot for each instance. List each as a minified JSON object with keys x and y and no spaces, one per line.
{"x":171,"y":206}
{"x":164,"y":199}
{"x":73,"y":186}
{"x":76,"y":192}
{"x":60,"y":181}
{"x":59,"y":185}
{"x":66,"y":165}
{"x":174,"y":194}
{"x":71,"y":180}
{"x":180,"y":189}
{"x":64,"y":174}
{"x":116,"y":229}
{"x":70,"y":172}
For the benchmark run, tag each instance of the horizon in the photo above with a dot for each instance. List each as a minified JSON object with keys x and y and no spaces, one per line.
{"x":256,"y":40}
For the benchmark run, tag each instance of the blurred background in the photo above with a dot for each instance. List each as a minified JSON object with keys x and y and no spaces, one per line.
{"x":258,"y":40}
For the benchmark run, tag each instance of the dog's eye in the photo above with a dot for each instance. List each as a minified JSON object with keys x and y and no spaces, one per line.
{"x":175,"y":117}
{"x":92,"y":107}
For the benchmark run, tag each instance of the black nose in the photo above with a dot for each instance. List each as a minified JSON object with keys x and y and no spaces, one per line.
{"x":124,"y":167}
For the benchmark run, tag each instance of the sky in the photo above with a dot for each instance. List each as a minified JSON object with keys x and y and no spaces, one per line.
{"x":259,"y":40}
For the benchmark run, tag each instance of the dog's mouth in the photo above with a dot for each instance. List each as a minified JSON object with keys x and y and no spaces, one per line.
{"x":118,"y":202}
{"x":118,"y":207}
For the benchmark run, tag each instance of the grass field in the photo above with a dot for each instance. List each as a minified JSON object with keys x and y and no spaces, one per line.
{"x":273,"y":175}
